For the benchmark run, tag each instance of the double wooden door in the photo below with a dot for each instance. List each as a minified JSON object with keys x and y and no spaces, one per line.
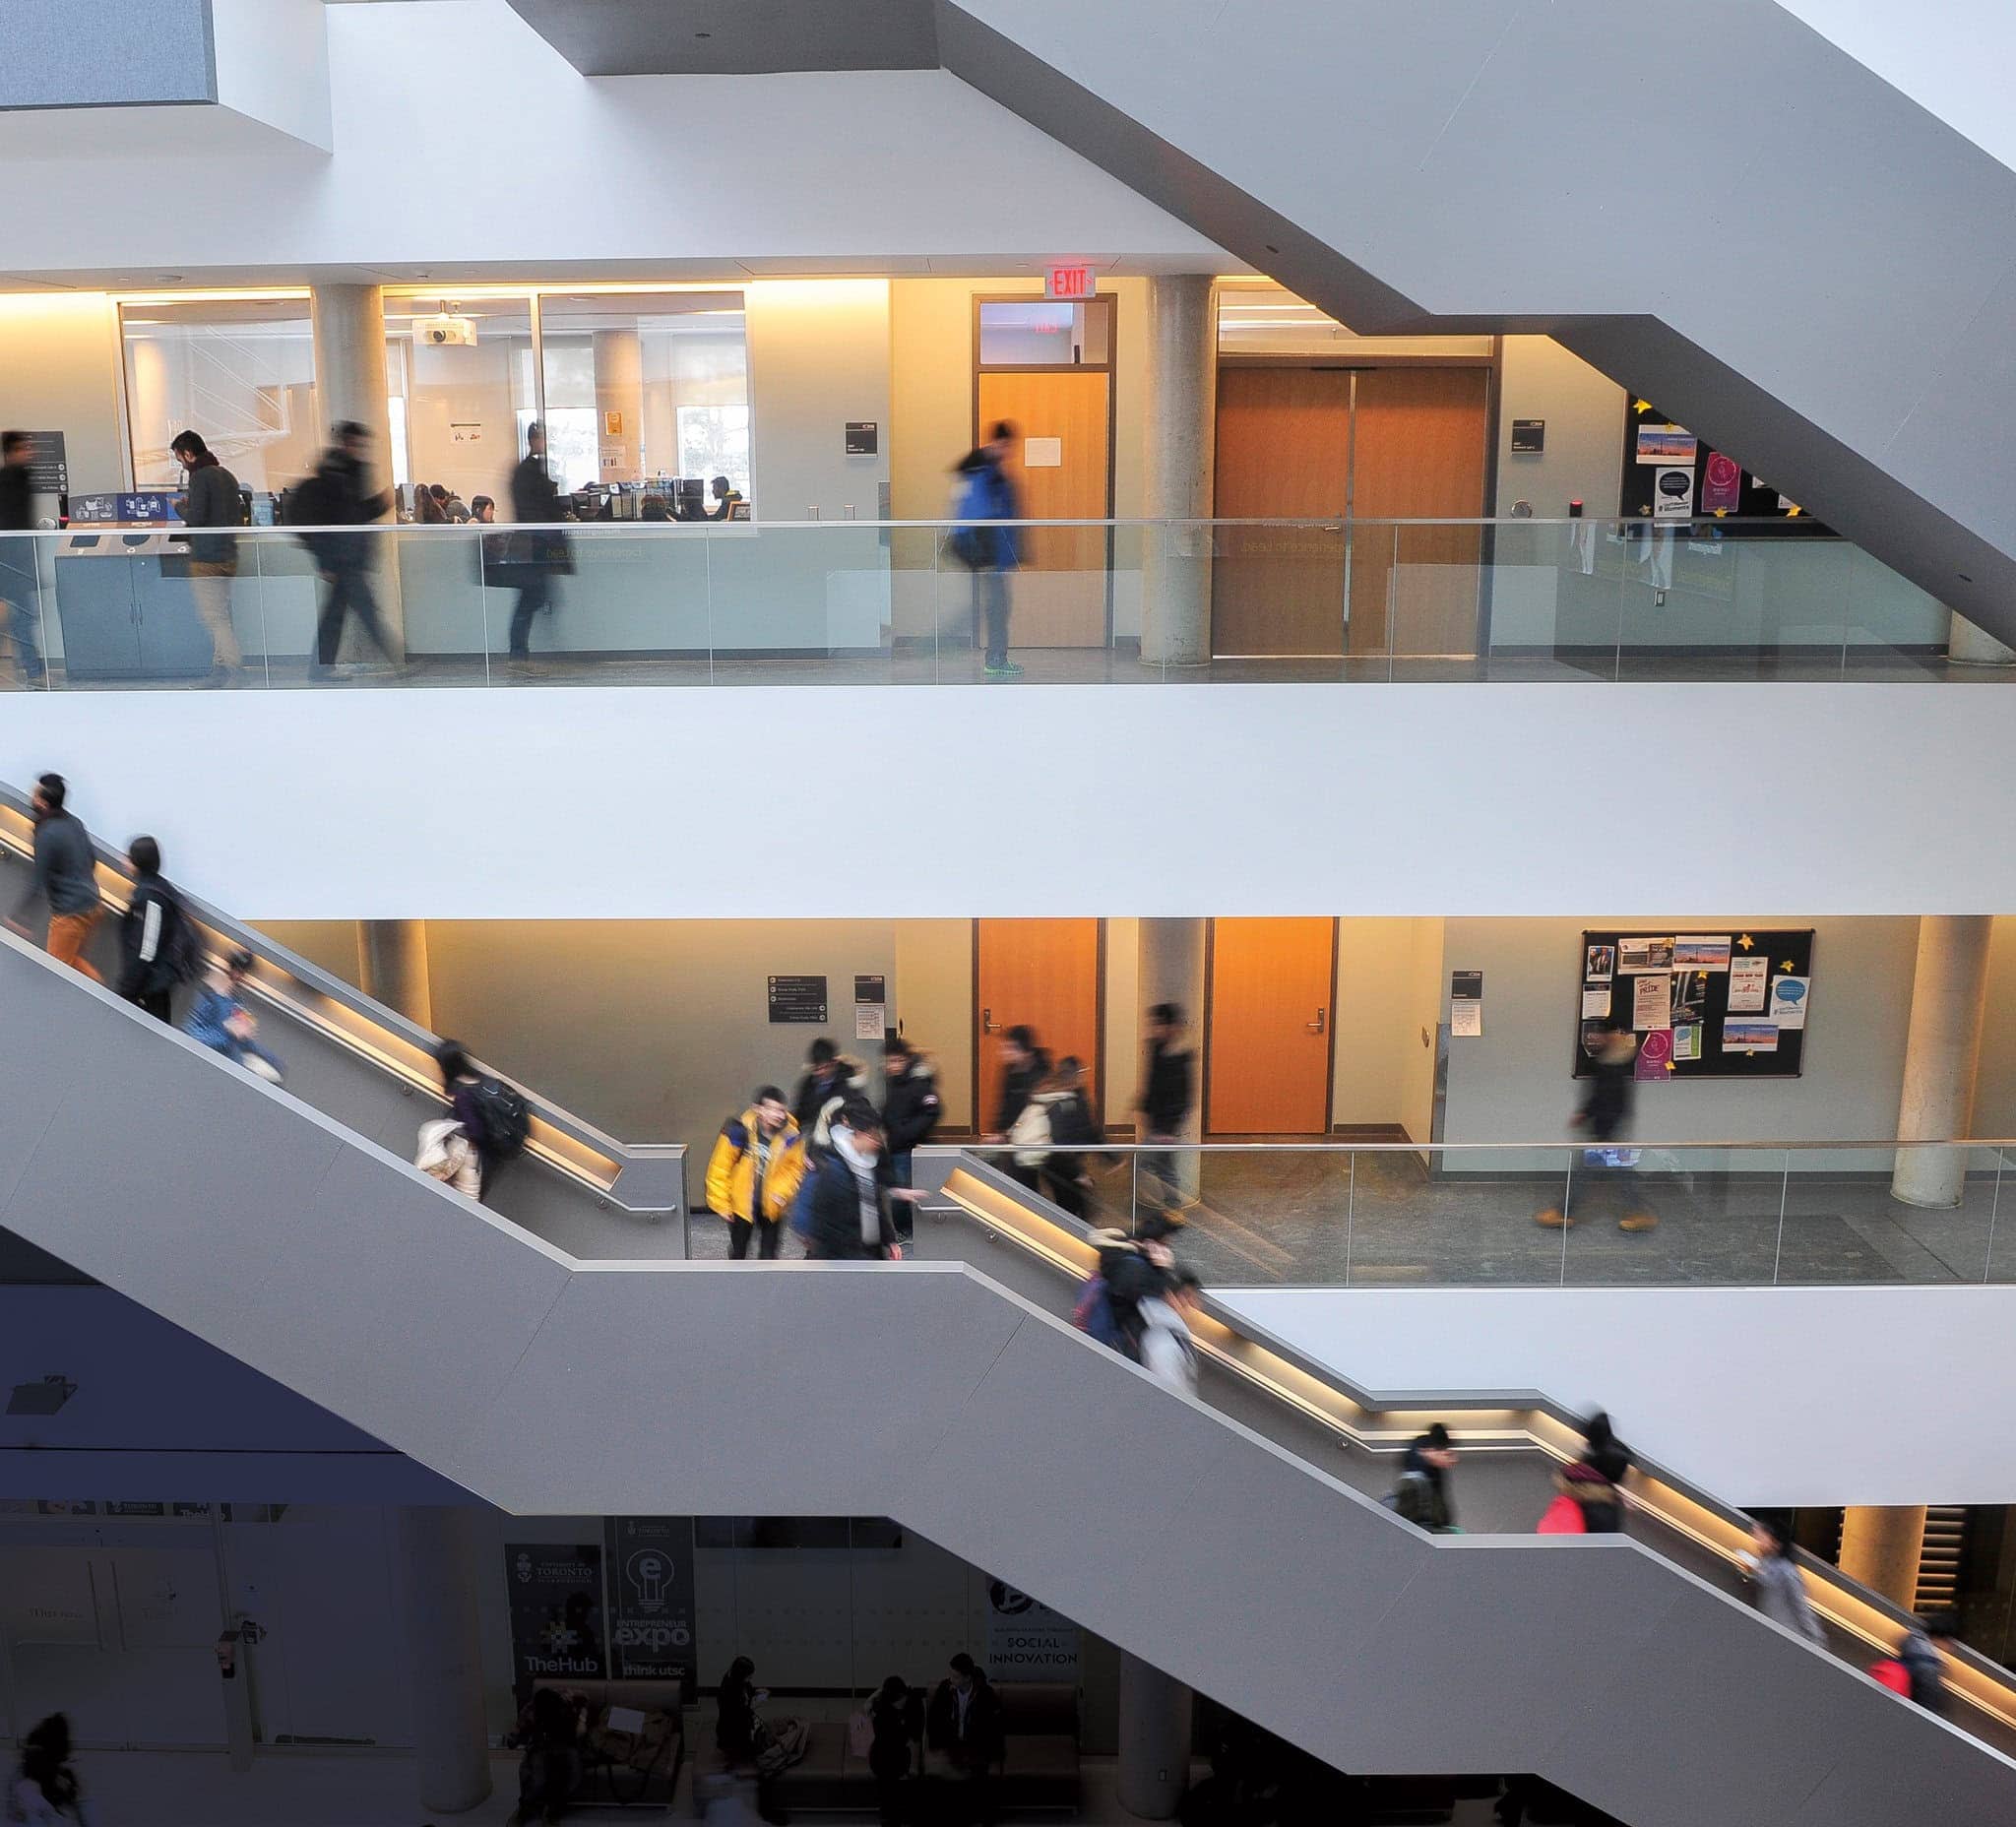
{"x":1059,"y":594}
{"x":1363,"y":446}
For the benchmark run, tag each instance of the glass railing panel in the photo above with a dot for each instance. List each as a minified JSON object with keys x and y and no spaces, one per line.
{"x":1730,"y":602}
{"x":611,"y":605}
{"x":1894,"y":630}
{"x":22,"y":634}
{"x":1552,"y":600}
{"x":1921,"y":1213}
{"x":1457,"y":1216}
{"x":809,"y":605}
{"x":1279,"y":595}
{"x":1436,"y":603}
{"x":1643,"y":1214}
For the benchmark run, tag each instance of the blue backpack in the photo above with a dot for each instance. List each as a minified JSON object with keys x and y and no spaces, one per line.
{"x":1095,"y":1317}
{"x":975,"y":547}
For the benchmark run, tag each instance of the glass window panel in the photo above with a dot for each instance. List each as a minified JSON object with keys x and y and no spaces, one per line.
{"x":457,"y":411}
{"x":644,"y":388}
{"x":1039,"y":333}
{"x":240,"y":371}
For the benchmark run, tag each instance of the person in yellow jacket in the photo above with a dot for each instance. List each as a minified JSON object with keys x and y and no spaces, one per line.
{"x":753,"y":1173}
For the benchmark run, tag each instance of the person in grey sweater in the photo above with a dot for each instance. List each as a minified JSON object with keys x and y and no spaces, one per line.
{"x":211,"y":501}
{"x":65,"y":877}
{"x":1777,"y":1584}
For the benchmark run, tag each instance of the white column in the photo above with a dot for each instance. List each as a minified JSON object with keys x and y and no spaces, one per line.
{"x":1968,"y":646}
{"x":619,"y":400}
{"x":1880,"y":1548}
{"x":347,"y":323}
{"x":1154,"y":1740}
{"x":1947,"y":992}
{"x":1181,"y":418}
{"x":392,"y":966}
{"x":444,"y":1651}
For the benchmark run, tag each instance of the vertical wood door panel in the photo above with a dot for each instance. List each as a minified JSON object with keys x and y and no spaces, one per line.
{"x":1283,"y":451}
{"x":1271,"y":1022}
{"x":1059,"y":594}
{"x":1043,"y":974}
{"x":1420,"y":450}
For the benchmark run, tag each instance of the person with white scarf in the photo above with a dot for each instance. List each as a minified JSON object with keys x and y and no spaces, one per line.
{"x":846,"y":1196}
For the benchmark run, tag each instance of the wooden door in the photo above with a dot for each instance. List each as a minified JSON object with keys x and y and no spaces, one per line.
{"x":1283,"y":450}
{"x":1268,"y":1062}
{"x":1059,"y":595}
{"x":1419,"y":448}
{"x":1042,"y":974}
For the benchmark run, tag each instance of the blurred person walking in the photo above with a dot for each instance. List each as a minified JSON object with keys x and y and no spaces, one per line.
{"x":65,"y":877}
{"x":535,"y":556}
{"x":1604,"y":1117}
{"x":985,"y":493}
{"x":844,"y":1208}
{"x":1168,"y":1352}
{"x":211,"y":501}
{"x":1597,"y":1478}
{"x":1057,"y":1112}
{"x":1422,"y":1491}
{"x":1924,"y":1663}
{"x":910,"y":1105}
{"x":19,"y":592}
{"x":46,"y":1791}
{"x":821,"y":1078}
{"x":753,"y":1173}
{"x":1024,"y":1066}
{"x":220,"y":1019}
{"x":339,"y":494}
{"x":1169,"y":1081}
{"x":1777,"y":1584}
{"x":492,"y":1115}
{"x":157,"y":944}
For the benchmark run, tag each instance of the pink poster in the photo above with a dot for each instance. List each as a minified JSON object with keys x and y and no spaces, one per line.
{"x":1654,"y":1054}
{"x":1722,"y":485}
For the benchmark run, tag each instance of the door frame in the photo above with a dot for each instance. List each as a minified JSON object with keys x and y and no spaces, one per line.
{"x":1205,"y":1131}
{"x":980,"y":1113}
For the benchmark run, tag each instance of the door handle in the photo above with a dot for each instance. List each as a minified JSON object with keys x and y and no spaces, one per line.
{"x":1320,"y":1024}
{"x":986,"y":1021}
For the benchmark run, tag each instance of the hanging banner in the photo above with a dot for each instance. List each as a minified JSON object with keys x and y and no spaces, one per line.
{"x":1025,"y":1640}
{"x":651,"y":1599}
{"x":556,"y":1612}
{"x":1722,"y":484}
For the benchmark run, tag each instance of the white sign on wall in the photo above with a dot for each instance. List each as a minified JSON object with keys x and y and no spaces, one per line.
{"x":1025,"y":1640}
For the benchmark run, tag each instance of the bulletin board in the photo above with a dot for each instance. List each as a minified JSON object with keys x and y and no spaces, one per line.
{"x":1706,"y":1003}
{"x":1755,"y":500}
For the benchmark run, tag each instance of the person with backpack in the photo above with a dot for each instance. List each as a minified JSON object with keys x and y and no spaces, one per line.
{"x":910,"y":1105}
{"x":844,"y":1208}
{"x":157,"y":944}
{"x":1420,"y":1494}
{"x":536,"y":557}
{"x":1024,"y":1066}
{"x":492,"y":1115}
{"x":1168,"y":1352}
{"x":849,"y":1084}
{"x":212,"y":500}
{"x":1923,"y":1664}
{"x":984,"y":492}
{"x":220,"y":1019}
{"x":65,"y":875}
{"x":339,"y":494}
{"x":817,"y":1084}
{"x":1597,"y":1478}
{"x":1075,"y":1129}
{"x":753,"y":1173}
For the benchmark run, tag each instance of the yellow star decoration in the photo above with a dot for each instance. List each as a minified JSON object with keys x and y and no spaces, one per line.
{"x":1745,"y":941}
{"x":1670,"y":1065}
{"x":1641,"y":405}
{"x":1701,"y":976}
{"x":1787,"y":967}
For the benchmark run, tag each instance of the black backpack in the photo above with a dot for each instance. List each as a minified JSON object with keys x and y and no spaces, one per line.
{"x":506,"y":1119}
{"x":181,"y":950}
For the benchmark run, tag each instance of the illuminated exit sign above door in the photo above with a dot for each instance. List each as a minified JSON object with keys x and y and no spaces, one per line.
{"x":1079,"y":281}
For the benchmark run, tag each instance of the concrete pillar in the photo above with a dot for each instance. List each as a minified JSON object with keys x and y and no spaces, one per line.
{"x":392,"y":966}
{"x":619,"y":402}
{"x":347,"y":323}
{"x":1171,"y":969}
{"x":444,"y":1652}
{"x":1183,"y":415}
{"x":1881,"y":1548}
{"x":1154,"y":1740}
{"x":1968,"y":646}
{"x":1947,"y":992}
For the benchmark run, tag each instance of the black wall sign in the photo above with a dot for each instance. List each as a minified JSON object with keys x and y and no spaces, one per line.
{"x":797,"y":998}
{"x":1466,"y":986}
{"x":48,"y":469}
{"x":651,"y":1599}
{"x":870,"y":989}
{"x":864,"y":437}
{"x":556,"y":1612}
{"x":1529,"y":436}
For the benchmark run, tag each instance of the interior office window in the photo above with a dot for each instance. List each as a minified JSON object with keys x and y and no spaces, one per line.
{"x":645,"y":387}
{"x":1037,"y":333}
{"x":461,"y":384}
{"x":240,"y":371}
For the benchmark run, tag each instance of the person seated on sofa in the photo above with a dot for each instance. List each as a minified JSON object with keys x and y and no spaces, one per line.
{"x":963,"y":1739}
{"x":891,"y":1720}
{"x":549,"y":1733}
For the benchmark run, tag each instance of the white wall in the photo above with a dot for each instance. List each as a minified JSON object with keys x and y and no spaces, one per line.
{"x":1764,"y":1396}
{"x":1583,"y":412}
{"x":525,"y":160}
{"x":618,"y":798}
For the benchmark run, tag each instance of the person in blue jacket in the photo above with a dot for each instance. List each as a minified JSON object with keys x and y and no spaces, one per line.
{"x":987,"y":492}
{"x":221,"y":1022}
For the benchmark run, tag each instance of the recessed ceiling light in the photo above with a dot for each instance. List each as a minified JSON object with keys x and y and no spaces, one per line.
{"x":169,"y":278}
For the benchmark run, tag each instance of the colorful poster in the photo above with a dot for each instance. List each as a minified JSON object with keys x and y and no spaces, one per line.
{"x":1673,"y":498}
{"x":1687,"y":1042}
{"x":1748,"y":981}
{"x":1600,"y":963}
{"x":1596,"y":1001}
{"x":1722,"y":484}
{"x":1749,"y":1038}
{"x":1636,"y":955}
{"x":1652,"y":1001}
{"x":1668,"y":446}
{"x":1655,"y":1055}
{"x":1789,"y":1001}
{"x":1692,"y":950}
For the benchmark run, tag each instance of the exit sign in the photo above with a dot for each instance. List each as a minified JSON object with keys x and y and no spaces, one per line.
{"x":1069,"y":283}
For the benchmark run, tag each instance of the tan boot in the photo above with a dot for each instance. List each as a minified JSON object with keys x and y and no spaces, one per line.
{"x":1639,"y":1221}
{"x":1554,"y":1218}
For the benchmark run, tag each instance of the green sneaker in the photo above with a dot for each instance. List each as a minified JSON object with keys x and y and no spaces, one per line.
{"x":1005,"y":670}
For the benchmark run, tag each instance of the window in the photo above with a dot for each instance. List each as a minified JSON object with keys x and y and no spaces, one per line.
{"x":1035,"y":332}
{"x":239,"y":372}
{"x":458,"y":409}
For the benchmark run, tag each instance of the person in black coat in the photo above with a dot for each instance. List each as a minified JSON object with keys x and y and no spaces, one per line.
{"x":822,"y":1078}
{"x":1025,"y":1066}
{"x":339,"y":494}
{"x":1604,"y":1119}
{"x":891,"y":1714}
{"x":534,"y":500}
{"x":963,"y":1733}
{"x":910,"y":1105}
{"x":156,"y":944}
{"x":848,"y":1196}
{"x":17,"y":589}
